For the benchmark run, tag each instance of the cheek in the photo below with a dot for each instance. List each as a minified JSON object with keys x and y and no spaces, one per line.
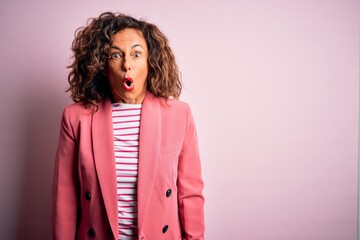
{"x":110,"y":69}
{"x":111,"y":72}
{"x":145,"y":70}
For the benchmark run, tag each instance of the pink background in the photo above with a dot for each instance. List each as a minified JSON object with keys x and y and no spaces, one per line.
{"x":274,"y":87}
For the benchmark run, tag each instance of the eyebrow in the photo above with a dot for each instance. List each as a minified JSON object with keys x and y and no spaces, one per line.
{"x":132,"y":47}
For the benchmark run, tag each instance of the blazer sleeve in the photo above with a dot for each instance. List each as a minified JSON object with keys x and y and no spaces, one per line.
{"x":65,"y":184}
{"x":190,"y":185}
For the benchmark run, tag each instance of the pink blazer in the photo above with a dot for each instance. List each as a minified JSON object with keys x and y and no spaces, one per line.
{"x":84,"y":196}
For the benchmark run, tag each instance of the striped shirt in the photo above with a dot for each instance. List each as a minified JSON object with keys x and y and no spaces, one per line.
{"x":126,"y":125}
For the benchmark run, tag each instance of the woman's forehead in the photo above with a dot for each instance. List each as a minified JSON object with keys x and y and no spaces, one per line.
{"x":128,"y":34}
{"x":128,"y":39}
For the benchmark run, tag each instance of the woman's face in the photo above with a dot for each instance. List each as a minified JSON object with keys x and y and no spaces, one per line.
{"x":127,"y":67}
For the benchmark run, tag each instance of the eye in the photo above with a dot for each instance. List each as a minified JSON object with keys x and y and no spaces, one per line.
{"x":137,"y":54}
{"x":115,"y":55}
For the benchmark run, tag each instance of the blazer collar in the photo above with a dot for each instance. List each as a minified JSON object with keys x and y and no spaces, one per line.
{"x":103,"y":151}
{"x":149,"y":149}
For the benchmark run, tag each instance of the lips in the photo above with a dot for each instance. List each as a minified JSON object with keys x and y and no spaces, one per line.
{"x":128,"y":84}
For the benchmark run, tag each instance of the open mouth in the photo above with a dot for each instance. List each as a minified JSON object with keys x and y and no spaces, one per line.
{"x":128,"y":84}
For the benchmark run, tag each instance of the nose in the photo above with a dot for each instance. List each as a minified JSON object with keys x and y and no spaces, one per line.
{"x":126,"y":66}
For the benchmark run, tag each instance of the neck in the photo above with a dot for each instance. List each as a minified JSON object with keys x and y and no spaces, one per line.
{"x":137,"y":100}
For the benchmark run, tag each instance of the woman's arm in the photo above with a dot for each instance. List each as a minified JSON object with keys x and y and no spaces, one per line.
{"x":65,"y":190}
{"x":190,"y":185}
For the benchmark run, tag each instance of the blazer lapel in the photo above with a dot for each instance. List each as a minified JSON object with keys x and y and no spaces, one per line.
{"x":149,"y":149}
{"x":103,"y":150}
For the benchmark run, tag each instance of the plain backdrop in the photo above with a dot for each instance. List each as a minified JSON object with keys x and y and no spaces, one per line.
{"x":274,"y":88}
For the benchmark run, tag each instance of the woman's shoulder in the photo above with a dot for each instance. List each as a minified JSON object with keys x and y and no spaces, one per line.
{"x":77,"y":111}
{"x":176,"y":108}
{"x":173,"y":103}
{"x":77,"y":108}
{"x":165,"y":103}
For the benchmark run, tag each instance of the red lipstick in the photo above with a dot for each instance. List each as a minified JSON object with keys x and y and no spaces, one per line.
{"x":128,"y":84}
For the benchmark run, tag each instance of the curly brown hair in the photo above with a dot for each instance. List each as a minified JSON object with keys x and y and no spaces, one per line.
{"x":87,"y":78}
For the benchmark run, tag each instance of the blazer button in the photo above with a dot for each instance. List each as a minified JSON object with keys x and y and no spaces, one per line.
{"x":168,"y":193}
{"x":92,"y":232}
{"x":88,"y":196}
{"x":165,"y":228}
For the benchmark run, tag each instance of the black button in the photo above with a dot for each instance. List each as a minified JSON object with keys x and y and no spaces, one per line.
{"x":168,"y":193}
{"x":165,"y":228}
{"x":92,"y":232}
{"x":88,"y":196}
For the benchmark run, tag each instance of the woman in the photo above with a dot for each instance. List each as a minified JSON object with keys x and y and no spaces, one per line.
{"x":127,"y":164}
